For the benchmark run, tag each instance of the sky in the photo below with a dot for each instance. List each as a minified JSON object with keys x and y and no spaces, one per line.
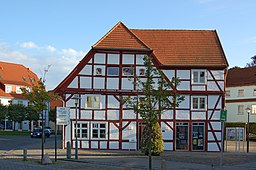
{"x":52,"y":36}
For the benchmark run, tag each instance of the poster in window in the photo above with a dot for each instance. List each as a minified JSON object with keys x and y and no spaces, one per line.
{"x":127,"y":71}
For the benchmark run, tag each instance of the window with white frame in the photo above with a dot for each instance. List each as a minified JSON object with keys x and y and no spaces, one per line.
{"x":253,"y":109}
{"x":98,"y":130}
{"x":198,"y":103}
{"x":199,"y":76}
{"x":93,"y":101}
{"x":227,"y":93}
{"x":8,"y":89}
{"x":240,"y":109}
{"x":240,"y":92}
{"x":82,"y":130}
{"x":18,"y":90}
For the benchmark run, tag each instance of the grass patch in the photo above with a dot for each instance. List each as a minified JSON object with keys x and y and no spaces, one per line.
{"x":16,"y":133}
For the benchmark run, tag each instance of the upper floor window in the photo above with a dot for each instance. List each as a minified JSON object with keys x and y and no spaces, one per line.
{"x":227,"y":93}
{"x":113,"y":71}
{"x":98,"y":71}
{"x":199,"y":103}
{"x":18,"y":90}
{"x":198,"y":76}
{"x":240,"y":92}
{"x":127,"y":71}
{"x":253,"y":109}
{"x":99,"y":130}
{"x":240,"y":109}
{"x":93,"y":101}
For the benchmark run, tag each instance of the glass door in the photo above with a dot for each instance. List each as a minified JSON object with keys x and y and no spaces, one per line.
{"x":198,"y":136}
{"x":182,"y":136}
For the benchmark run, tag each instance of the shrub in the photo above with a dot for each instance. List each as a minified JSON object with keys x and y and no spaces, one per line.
{"x":157,"y":145}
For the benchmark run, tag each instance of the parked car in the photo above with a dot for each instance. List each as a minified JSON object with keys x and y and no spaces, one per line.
{"x":37,"y":133}
{"x":52,"y":131}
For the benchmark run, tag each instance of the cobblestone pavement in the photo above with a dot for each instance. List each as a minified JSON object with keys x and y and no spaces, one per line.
{"x":118,"y":160}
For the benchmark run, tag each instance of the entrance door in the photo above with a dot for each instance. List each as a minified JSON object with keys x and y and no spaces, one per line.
{"x":198,"y":136}
{"x":182,"y":136}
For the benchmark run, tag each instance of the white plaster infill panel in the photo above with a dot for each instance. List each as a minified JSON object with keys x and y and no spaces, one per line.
{"x":198,"y":116}
{"x":113,"y":145}
{"x":129,"y":114}
{"x":86,"y":114}
{"x":184,"y":85}
{"x":139,"y":59}
{"x":99,"y":115}
{"x":127,"y":84}
{"x":113,"y":58}
{"x":74,"y":83}
{"x":85,"y":82}
{"x":182,"y":115}
{"x":185,"y":104}
{"x":99,"y":83}
{"x":94,"y":144}
{"x":212,"y":146}
{"x":215,"y":125}
{"x":215,"y":116}
{"x":85,"y":144}
{"x":113,"y":102}
{"x":99,"y":58}
{"x":198,"y":87}
{"x":103,"y":144}
{"x":128,"y":58}
{"x":168,"y":114}
{"x":112,"y":83}
{"x":113,"y":132}
{"x":212,"y":85}
{"x":113,"y":115}
{"x":168,"y":146}
{"x":87,"y":70}
{"x":212,"y":100}
{"x":183,"y":74}
{"x":217,"y":74}
{"x":169,"y":74}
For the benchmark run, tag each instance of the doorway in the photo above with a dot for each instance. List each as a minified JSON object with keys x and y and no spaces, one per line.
{"x":182,"y":136}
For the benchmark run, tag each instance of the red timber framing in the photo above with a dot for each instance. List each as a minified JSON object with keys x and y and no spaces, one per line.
{"x":114,"y":126}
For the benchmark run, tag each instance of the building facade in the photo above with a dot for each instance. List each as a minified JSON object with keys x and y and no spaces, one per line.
{"x":13,"y":77}
{"x":105,"y":76}
{"x":241,"y":94}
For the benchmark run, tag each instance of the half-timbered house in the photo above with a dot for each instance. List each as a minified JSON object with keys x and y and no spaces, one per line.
{"x":103,"y":78}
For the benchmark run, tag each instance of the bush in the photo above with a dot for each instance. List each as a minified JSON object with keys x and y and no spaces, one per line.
{"x":157,"y":145}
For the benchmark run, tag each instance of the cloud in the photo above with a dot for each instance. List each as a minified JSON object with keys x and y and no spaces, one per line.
{"x":72,"y":52}
{"x":28,"y":44}
{"x":51,"y":48}
{"x":62,"y":62}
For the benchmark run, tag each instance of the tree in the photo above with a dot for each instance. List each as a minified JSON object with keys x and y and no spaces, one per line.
{"x":154,"y":96}
{"x":38,"y":98}
{"x":16,"y":113}
{"x":31,"y":114}
{"x":52,"y":115}
{"x":3,"y":112}
{"x":252,"y":63}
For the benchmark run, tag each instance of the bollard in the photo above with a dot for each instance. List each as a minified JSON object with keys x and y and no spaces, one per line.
{"x":68,"y":150}
{"x":163,"y":164}
{"x":25,"y":154}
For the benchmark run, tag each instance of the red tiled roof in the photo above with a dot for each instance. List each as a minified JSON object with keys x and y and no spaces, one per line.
{"x":10,"y":95}
{"x":120,"y":37}
{"x":171,"y":47}
{"x":241,"y":76}
{"x":16,"y":74}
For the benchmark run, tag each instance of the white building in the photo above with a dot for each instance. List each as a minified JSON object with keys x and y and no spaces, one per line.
{"x":12,"y":78}
{"x":241,"y":94}
{"x":101,"y":79}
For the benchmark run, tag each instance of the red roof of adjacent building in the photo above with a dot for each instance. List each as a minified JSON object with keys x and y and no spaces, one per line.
{"x":171,"y":47}
{"x":241,"y":76}
{"x":15,"y":74}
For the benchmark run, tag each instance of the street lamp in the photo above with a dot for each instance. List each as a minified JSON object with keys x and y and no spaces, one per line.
{"x":247,"y":130}
{"x":76,"y":98}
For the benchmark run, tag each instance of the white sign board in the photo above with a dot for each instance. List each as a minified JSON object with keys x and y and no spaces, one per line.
{"x":63,"y":116}
{"x":235,"y":133}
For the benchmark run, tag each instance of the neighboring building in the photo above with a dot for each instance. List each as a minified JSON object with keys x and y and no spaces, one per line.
{"x":12,"y":78}
{"x":241,"y":94}
{"x":102,"y":78}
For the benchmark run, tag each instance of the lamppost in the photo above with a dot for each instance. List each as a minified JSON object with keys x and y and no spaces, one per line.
{"x":76,"y":98}
{"x":247,"y":130}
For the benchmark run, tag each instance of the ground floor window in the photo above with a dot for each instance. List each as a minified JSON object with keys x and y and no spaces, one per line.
{"x":99,"y":130}
{"x":182,"y":136}
{"x":82,"y":130}
{"x":198,"y":136}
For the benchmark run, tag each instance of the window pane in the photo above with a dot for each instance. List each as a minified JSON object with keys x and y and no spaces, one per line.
{"x":202,"y":77}
{"x":89,"y":101}
{"x":95,"y":125}
{"x":202,"y":103}
{"x":240,"y":109}
{"x":195,"y":103}
{"x":112,"y":71}
{"x":102,"y":134}
{"x":96,"y":103}
{"x":84,"y":125}
{"x":102,"y":125}
{"x":241,"y":92}
{"x":95,"y":133}
{"x":84,"y":133}
{"x":195,"y":77}
{"x":253,"y":109}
